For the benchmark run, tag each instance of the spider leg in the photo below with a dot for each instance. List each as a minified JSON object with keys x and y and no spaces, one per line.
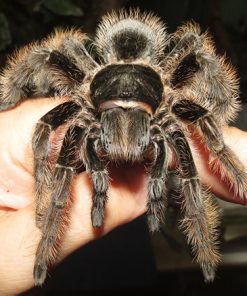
{"x":99,"y":178}
{"x":54,"y":220}
{"x":44,"y":71}
{"x":194,"y":65}
{"x":186,"y":44}
{"x":55,"y":65}
{"x":61,"y":62}
{"x":41,"y":148}
{"x":181,"y":62}
{"x":157,"y":178}
{"x":75,"y":49}
{"x":233,"y":169}
{"x":200,"y":217}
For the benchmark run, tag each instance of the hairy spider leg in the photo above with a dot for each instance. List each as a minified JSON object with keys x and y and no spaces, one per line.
{"x":41,"y":149}
{"x":74,"y":49}
{"x":99,"y":175}
{"x":185,"y":70}
{"x":59,"y":60}
{"x":56,"y":212}
{"x":186,"y":44}
{"x":233,"y":169}
{"x":200,"y":231}
{"x":213,"y":82}
{"x":157,"y":198}
{"x":59,"y":75}
{"x":53,"y":66}
{"x":200,"y":214}
{"x":43,"y":72}
{"x":62,"y":176}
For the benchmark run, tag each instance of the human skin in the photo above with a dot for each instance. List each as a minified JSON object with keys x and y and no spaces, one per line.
{"x":19,"y":235}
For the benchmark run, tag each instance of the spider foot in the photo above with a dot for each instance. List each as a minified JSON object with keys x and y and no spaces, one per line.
{"x":97,"y":217}
{"x":40,"y":271}
{"x":155,"y":214}
{"x":208,"y":273}
{"x":153,"y":223}
{"x":156,"y":204}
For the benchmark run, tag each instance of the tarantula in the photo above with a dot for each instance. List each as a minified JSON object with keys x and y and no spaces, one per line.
{"x":138,"y":97}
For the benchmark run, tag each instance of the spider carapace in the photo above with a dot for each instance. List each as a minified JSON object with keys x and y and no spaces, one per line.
{"x":141,"y":93}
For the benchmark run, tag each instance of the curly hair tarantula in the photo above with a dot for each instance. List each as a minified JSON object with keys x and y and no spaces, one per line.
{"x":138,"y":97}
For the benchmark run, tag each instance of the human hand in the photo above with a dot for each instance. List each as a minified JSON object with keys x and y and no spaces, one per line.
{"x":127,"y":195}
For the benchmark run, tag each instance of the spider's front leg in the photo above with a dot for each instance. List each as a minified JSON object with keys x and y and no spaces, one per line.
{"x":223,"y":158}
{"x":53,"y":219}
{"x":157,"y":179}
{"x":41,"y":149}
{"x":97,"y":168}
{"x":76,"y":138}
{"x":200,"y":216}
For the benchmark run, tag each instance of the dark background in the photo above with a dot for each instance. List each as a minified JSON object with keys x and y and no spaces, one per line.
{"x":124,"y":259}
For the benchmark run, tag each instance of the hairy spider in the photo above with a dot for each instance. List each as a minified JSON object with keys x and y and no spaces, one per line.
{"x":140,"y":95}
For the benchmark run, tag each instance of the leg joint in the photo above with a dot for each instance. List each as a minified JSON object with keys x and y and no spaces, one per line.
{"x":60,"y":166}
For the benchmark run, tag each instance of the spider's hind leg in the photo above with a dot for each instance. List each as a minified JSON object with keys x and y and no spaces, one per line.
{"x":46,"y":68}
{"x":196,"y":69}
{"x":43,"y":72}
